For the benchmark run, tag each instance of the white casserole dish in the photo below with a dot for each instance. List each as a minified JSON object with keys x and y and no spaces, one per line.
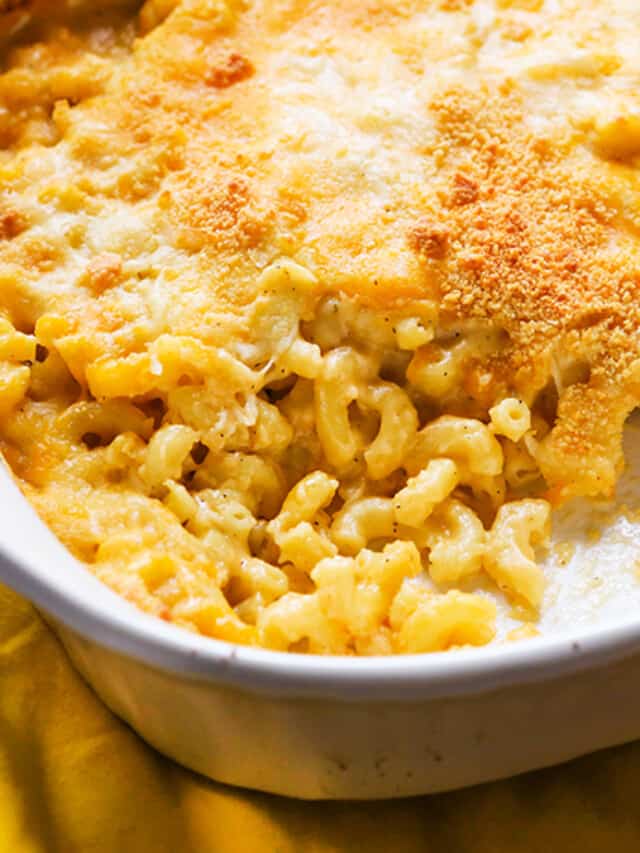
{"x":324,"y":728}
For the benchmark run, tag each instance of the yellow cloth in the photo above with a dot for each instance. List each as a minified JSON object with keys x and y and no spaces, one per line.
{"x":73,"y":778}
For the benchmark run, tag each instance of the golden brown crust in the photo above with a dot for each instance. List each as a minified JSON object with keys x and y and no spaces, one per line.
{"x":230,"y":135}
{"x":104,"y":271}
{"x":229,"y":70}
{"x":530,"y":231}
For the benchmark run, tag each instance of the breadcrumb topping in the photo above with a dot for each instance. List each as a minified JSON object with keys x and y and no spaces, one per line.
{"x":457,"y":151}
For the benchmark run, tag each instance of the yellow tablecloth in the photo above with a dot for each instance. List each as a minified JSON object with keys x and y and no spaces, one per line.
{"x":73,"y":778}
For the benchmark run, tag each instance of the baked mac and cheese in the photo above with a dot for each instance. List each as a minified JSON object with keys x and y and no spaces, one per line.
{"x":312,"y":310}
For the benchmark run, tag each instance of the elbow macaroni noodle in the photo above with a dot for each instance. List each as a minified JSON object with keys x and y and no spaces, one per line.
{"x":317,"y":504}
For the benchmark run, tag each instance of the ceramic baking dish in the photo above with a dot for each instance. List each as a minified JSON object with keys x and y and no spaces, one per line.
{"x":323,"y":728}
